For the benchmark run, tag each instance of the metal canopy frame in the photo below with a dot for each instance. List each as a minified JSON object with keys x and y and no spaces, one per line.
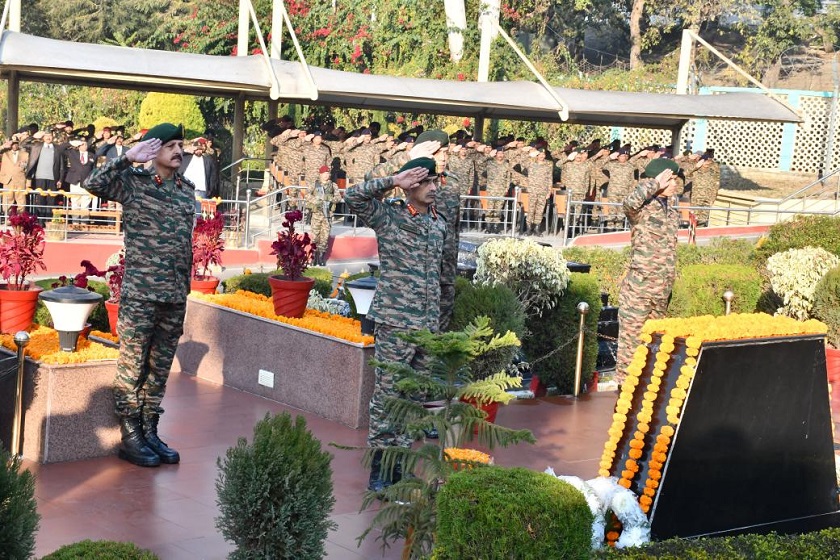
{"x":34,"y":58}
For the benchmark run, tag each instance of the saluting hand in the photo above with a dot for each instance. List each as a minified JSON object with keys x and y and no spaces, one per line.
{"x":410,"y":178}
{"x":144,"y":151}
{"x":424,"y":149}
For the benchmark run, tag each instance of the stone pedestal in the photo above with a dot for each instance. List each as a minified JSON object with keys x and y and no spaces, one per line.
{"x":68,"y":410}
{"x":316,"y":373}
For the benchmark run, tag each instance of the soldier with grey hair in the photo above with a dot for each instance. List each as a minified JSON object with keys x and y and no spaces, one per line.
{"x":158,"y":210}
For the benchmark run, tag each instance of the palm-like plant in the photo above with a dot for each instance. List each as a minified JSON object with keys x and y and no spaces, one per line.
{"x":408,"y":506}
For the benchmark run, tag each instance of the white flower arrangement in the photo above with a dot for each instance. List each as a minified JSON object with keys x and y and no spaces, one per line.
{"x":535,"y":273}
{"x":328,"y":305}
{"x":794,"y":275}
{"x":605,"y":494}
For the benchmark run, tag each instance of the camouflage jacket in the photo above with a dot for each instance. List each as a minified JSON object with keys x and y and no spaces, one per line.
{"x":320,"y":198}
{"x":410,"y":252}
{"x":622,"y":179}
{"x":706,"y":181}
{"x":576,"y":177}
{"x":540,"y":176}
{"x":158,"y":221}
{"x":499,"y":177}
{"x":314,"y":157}
{"x":653,"y":239}
{"x":447,"y":204}
{"x":464,"y":169}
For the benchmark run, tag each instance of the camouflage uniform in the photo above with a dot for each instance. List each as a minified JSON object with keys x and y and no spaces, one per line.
{"x":411,"y":246}
{"x":319,"y":200}
{"x":448,"y":206}
{"x":705,"y":186}
{"x":577,"y":178}
{"x":540,"y":179}
{"x":646,"y":288}
{"x":158,"y":221}
{"x":499,"y":177}
{"x":622,"y":179}
{"x":314,"y":157}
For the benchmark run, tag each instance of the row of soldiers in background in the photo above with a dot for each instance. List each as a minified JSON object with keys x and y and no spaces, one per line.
{"x":592,"y":173}
{"x":59,"y":158}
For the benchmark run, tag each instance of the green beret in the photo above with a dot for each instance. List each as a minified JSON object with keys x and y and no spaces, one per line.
{"x":165,"y":132}
{"x":659,"y":165}
{"x":433,"y":136}
{"x":427,"y":163}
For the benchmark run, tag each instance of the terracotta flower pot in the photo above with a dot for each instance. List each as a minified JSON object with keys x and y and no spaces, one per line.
{"x":290,"y":296}
{"x":17,"y":308}
{"x":204,"y":284}
{"x":491,"y":409}
{"x":113,"y":309}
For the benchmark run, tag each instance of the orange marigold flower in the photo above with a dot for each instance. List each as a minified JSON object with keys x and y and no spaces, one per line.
{"x":651,"y":483}
{"x":645,"y":500}
{"x":654,"y":474}
{"x":667,"y":431}
{"x":635,"y":453}
{"x":624,"y":482}
{"x":649,"y":492}
{"x":636,"y":444}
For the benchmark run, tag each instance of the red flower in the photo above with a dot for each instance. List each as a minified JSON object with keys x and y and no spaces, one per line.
{"x":400,"y":119}
{"x":207,"y":244}
{"x":466,"y":123}
{"x":461,"y":76}
{"x":21,"y":248}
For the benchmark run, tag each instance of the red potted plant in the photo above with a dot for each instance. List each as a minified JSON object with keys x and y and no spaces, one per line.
{"x":290,"y":291}
{"x":207,"y":246}
{"x":113,"y":275}
{"x":21,"y":254}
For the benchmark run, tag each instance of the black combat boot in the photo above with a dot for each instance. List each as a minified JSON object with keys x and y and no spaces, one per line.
{"x":167,"y":454}
{"x":133,"y":447}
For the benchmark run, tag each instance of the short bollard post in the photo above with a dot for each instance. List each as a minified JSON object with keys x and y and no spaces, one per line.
{"x":21,"y":340}
{"x":728,"y":296}
{"x":583,"y":309}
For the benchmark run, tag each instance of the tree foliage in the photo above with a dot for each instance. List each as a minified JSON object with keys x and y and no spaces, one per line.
{"x":168,"y":107}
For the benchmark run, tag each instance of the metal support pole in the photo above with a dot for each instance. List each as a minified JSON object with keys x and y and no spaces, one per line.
{"x":21,"y":340}
{"x":728,"y":296}
{"x":247,"y":218}
{"x":583,"y":309}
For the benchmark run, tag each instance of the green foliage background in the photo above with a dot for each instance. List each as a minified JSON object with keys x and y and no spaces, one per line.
{"x":157,"y":108}
{"x":101,"y":550}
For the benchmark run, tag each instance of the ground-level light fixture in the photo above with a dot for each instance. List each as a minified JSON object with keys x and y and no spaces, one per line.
{"x":69,"y":307}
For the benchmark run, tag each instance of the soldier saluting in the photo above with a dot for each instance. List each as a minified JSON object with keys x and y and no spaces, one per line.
{"x":158,"y":210}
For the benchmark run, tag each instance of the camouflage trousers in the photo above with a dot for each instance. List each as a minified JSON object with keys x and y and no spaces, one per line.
{"x":320,"y":227}
{"x":389,"y":348}
{"x":495,"y":208}
{"x":702,"y":197}
{"x":640,"y":299}
{"x":149,"y":333}
{"x":537,"y":199}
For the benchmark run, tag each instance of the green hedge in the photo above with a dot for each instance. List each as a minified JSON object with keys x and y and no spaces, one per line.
{"x":699,"y":290}
{"x":802,"y":231}
{"x":257,"y":282}
{"x":505,"y":312}
{"x":820,"y":545}
{"x":608,"y":266}
{"x":100,"y":550}
{"x":559,"y":326}
{"x":98,"y":318}
{"x":498,"y":513}
{"x":827,"y":304}
{"x":719,"y":250}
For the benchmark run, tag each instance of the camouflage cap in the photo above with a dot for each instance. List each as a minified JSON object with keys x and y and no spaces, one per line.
{"x":433,"y":136}
{"x":659,"y":165}
{"x":427,"y":163}
{"x":165,"y":132}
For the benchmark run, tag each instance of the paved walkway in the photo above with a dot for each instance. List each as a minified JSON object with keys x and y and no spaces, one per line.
{"x":171,"y":510}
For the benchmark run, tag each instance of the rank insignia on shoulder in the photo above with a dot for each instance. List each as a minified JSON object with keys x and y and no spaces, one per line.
{"x":138,"y":171}
{"x":398,"y":202}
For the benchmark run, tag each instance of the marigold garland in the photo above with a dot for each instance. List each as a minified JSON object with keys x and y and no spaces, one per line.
{"x":317,"y":321}
{"x":462,"y":458}
{"x":43,"y":347}
{"x":106,"y":336}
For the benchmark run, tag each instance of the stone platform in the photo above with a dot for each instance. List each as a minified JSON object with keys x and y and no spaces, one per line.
{"x":313,"y":372}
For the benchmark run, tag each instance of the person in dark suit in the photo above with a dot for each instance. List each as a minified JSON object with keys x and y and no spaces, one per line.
{"x":79,"y":163}
{"x":112,"y":148}
{"x":202,"y":170}
{"x":44,"y":168}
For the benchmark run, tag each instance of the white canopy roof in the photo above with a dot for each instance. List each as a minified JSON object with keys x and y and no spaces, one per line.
{"x":49,"y":60}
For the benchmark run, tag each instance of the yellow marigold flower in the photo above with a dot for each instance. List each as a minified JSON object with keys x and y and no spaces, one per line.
{"x":605,"y":464}
{"x":692,"y":352}
{"x":643,"y":427}
{"x":678,"y":393}
{"x":644,"y":417}
{"x":693,"y":342}
{"x":611,"y":445}
{"x":634,"y":370}
{"x":682,"y":382}
{"x":646,"y":338}
{"x":690,"y":362}
{"x":618,"y":417}
{"x":663,"y":357}
{"x":673,"y":419}
{"x":686,"y":370}
{"x":650,"y":396}
{"x":672,"y":410}
{"x":657,"y":373}
{"x":666,"y":347}
{"x":667,"y":431}
{"x":603,"y":472}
